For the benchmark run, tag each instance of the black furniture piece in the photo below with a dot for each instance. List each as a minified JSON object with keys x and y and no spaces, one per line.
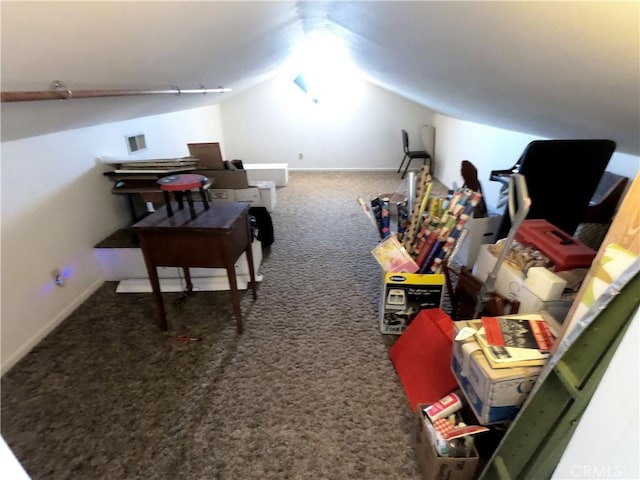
{"x":604,"y":202}
{"x":561,"y":177}
{"x":413,"y":154}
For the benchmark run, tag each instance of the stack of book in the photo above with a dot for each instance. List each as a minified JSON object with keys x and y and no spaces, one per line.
{"x":515,"y":340}
{"x":154,"y":167}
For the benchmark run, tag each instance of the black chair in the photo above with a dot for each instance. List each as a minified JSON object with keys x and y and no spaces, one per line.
{"x":411,"y":155}
{"x":561,"y":176}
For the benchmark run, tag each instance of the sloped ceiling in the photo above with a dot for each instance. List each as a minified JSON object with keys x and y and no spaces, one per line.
{"x":554,"y":69}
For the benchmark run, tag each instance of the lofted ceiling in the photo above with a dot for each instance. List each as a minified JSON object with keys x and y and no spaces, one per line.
{"x":553,"y":69}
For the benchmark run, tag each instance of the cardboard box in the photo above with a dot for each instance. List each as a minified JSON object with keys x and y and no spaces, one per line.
{"x":267,"y":193}
{"x":274,"y":172}
{"x":254,"y":196}
{"x":233,"y":179}
{"x":435,"y":467}
{"x":544,"y":284}
{"x":233,"y":186}
{"x":494,"y":394}
{"x":404,"y":295}
{"x":227,"y":194}
{"x":511,"y":284}
{"x":248,"y":195}
{"x":480,"y":231}
{"x":208,"y":154}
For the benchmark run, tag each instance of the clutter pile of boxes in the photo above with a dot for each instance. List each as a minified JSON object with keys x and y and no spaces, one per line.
{"x":231,"y":183}
{"x":254,"y":184}
{"x":444,"y":446}
{"x":486,"y":397}
{"x":493,"y":379}
{"x":550,"y":288}
{"x":495,"y":395}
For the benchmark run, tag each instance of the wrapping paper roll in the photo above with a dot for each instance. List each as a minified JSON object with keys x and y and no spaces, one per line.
{"x":403,"y":218}
{"x":376,"y":209}
{"x":385,"y":217}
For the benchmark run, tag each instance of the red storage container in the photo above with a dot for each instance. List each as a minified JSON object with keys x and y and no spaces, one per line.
{"x":563,"y":250}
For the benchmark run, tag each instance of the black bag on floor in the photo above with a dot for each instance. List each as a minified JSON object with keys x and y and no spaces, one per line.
{"x":264,"y":225}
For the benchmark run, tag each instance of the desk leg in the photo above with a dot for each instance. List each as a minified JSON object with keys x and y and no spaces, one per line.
{"x":187,"y":279}
{"x":235,"y":297}
{"x":252,"y":273}
{"x":157,"y":296}
{"x":132,"y":208}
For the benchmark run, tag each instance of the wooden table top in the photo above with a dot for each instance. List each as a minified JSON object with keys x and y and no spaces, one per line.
{"x":220,"y":215}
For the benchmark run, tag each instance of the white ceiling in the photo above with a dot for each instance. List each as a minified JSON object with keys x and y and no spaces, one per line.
{"x":554,"y":69}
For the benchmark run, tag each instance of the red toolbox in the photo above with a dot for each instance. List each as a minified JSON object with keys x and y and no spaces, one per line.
{"x":562,"y":249}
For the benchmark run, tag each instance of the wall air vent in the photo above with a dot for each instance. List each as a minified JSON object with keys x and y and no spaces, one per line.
{"x":136,"y":143}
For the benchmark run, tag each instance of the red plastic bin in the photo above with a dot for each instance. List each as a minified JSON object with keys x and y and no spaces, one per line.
{"x":562,"y":249}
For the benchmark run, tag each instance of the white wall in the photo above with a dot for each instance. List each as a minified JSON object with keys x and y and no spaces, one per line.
{"x":490,"y":148}
{"x":57,"y":204}
{"x":274,"y":122}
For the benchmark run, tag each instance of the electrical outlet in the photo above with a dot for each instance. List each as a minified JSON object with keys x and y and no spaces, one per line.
{"x":58,"y":279}
{"x":301,"y":156}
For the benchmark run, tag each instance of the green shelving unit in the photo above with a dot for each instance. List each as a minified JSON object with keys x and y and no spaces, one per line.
{"x":534,"y":443}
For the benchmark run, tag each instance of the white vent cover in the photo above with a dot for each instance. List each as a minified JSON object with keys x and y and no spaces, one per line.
{"x":136,"y":143}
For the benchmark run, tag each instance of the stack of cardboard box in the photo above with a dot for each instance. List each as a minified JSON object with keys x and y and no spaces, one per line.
{"x":230,"y":184}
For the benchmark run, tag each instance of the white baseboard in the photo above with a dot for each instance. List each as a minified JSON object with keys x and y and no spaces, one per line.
{"x":368,"y":169}
{"x":201,"y":284}
{"x":48,"y":328}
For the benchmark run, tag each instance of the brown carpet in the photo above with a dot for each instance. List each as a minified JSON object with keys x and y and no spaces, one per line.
{"x":307,"y":392}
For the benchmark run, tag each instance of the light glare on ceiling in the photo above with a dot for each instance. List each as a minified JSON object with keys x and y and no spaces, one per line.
{"x":324,"y":68}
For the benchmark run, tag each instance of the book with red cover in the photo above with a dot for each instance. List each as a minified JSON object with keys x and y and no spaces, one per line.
{"x":508,"y":357}
{"x":518,"y":333}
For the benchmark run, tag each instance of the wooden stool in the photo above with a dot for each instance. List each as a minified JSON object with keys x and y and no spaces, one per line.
{"x":181,"y":186}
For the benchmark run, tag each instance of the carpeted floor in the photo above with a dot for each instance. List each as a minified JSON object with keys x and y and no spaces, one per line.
{"x":307,"y":392}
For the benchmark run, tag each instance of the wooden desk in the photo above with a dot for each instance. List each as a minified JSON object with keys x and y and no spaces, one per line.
{"x":214,"y":239}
